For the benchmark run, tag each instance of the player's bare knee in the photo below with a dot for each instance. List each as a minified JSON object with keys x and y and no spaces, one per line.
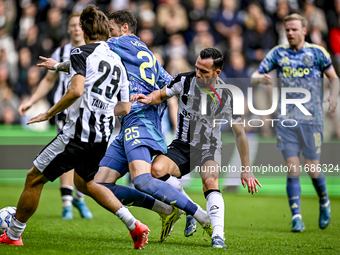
{"x":158,"y":170}
{"x":35,"y":177}
{"x":210,"y":183}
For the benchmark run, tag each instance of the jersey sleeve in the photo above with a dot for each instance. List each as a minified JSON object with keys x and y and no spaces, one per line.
{"x":325,"y":59}
{"x":269,"y":62}
{"x":175,"y":87}
{"x":124,"y":93}
{"x":78,"y":62}
{"x":164,"y":77}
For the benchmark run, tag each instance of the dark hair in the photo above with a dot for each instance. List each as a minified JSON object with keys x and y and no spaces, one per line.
{"x":74,"y":14}
{"x":94,"y":23}
{"x":215,"y":54}
{"x":124,"y":16}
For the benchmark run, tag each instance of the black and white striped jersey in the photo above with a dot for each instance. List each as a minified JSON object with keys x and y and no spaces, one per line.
{"x":62,"y":54}
{"x":192,"y":126}
{"x":91,"y":117}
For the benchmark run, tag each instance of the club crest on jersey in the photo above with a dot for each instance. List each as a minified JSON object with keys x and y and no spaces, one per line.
{"x":76,"y":51}
{"x":307,"y":60}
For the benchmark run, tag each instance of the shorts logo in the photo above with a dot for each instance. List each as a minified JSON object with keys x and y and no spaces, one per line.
{"x":214,"y":207}
{"x":136,"y":141}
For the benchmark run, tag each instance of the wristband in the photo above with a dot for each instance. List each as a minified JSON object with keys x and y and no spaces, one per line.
{"x":55,"y":67}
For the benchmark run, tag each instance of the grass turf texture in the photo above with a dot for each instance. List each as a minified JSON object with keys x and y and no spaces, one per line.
{"x":253,"y":225}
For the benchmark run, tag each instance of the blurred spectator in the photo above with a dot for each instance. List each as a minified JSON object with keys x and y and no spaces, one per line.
{"x":228,"y":20}
{"x":176,"y":46}
{"x":270,"y":6}
{"x":9,"y":102}
{"x":198,"y":11}
{"x":7,"y":15}
{"x":25,"y":61}
{"x":8,"y":54}
{"x":33,"y":43}
{"x":80,"y":5}
{"x":55,"y":29}
{"x":316,"y":26}
{"x":27,"y":20}
{"x":146,"y":36}
{"x":172,"y":17}
{"x":257,"y":42}
{"x":333,"y":15}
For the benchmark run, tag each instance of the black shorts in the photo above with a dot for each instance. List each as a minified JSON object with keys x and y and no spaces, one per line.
{"x":63,"y":154}
{"x":188,"y":157}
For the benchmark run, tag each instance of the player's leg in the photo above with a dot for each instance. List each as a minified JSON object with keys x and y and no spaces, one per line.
{"x":288,"y":141}
{"x":46,"y":167}
{"x":26,"y":207}
{"x":312,"y":141}
{"x":66,"y":188}
{"x":166,"y":168}
{"x":87,"y":166}
{"x":141,"y":177}
{"x":107,"y":199}
{"x":113,"y":166}
{"x":215,"y":202}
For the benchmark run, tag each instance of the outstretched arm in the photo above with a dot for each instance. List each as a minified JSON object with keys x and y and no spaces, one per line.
{"x":44,"y":87}
{"x":247,"y":177}
{"x":333,"y":98}
{"x":257,"y":78}
{"x":122,"y":108}
{"x":52,"y":64}
{"x":73,"y":93}
{"x":155,"y":97}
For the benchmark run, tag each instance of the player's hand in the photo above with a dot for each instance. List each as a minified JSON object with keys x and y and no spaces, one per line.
{"x":48,"y":63}
{"x":266,"y":79}
{"x":41,"y":117}
{"x":333,"y":102}
{"x":24,"y":107}
{"x":140,"y":98}
{"x":248,"y":179}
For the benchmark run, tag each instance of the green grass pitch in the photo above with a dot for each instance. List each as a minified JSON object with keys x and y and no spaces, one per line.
{"x":253,"y":225}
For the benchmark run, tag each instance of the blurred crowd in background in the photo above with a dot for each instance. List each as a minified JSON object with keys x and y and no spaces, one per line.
{"x":176,"y":31}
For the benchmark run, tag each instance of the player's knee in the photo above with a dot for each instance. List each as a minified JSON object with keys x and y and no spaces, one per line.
{"x":210,"y":184}
{"x":35,"y":177}
{"x":158,"y":170}
{"x":142,"y":182}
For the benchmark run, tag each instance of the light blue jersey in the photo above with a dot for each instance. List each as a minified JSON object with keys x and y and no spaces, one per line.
{"x":303,"y":69}
{"x":145,"y":72}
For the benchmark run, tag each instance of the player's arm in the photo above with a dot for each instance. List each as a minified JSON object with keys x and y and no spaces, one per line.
{"x":333,"y":98}
{"x":52,"y":64}
{"x":155,"y":97}
{"x":257,"y":78}
{"x":247,"y":177}
{"x":122,"y":108}
{"x":44,"y":87}
{"x":75,"y":91}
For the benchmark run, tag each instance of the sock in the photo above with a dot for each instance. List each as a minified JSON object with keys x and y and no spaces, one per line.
{"x":127,"y":218}
{"x":66,"y":195}
{"x":164,"y":192}
{"x":294,"y":194}
{"x":78,"y":195}
{"x":174,"y":182}
{"x":321,"y":188}
{"x":15,"y":229}
{"x":215,"y":210}
{"x":162,"y":208}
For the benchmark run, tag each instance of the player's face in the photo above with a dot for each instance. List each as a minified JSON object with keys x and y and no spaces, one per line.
{"x":74,"y":29}
{"x":205,"y":72}
{"x":115,"y":30}
{"x":295,"y":33}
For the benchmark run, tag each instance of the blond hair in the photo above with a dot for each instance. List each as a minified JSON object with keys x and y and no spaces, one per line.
{"x":296,"y":16}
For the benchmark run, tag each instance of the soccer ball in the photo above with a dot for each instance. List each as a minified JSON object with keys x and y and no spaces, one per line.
{"x":5,"y":217}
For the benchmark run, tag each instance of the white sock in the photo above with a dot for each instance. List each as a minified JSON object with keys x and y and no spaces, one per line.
{"x":78,"y":195}
{"x":67,"y":199}
{"x":201,"y":216}
{"x":127,"y":218}
{"x":296,"y":216}
{"x":15,"y":229}
{"x":215,"y":210}
{"x":162,"y":208}
{"x":174,"y":181}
